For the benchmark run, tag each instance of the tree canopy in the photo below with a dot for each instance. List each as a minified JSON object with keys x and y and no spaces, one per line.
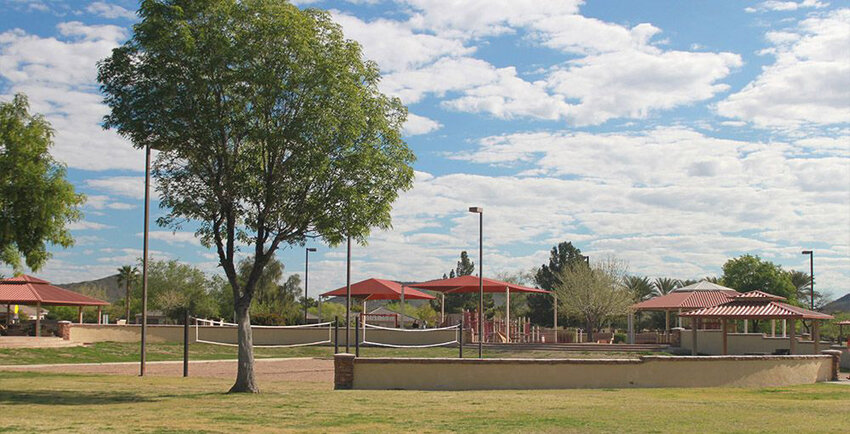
{"x":270,"y":127}
{"x":546,"y":277}
{"x":594,"y":295}
{"x":751,"y":273}
{"x":36,"y":201}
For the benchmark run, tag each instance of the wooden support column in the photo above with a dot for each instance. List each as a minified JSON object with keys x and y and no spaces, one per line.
{"x":555,"y":310}
{"x":784,"y":328}
{"x":816,"y":335}
{"x":679,"y":318}
{"x":746,"y":326}
{"x":793,"y":337}
{"x":667,"y":322}
{"x":80,"y":315}
{"x":773,"y":328}
{"x":631,"y":327}
{"x":442,"y":309}
{"x":694,"y":327}
{"x":724,"y":337}
{"x":8,"y":314}
{"x":38,"y":319}
{"x":508,"y":313}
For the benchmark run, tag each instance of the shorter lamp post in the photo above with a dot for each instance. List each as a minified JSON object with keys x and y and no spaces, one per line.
{"x":306,"y":277}
{"x":811,"y":276}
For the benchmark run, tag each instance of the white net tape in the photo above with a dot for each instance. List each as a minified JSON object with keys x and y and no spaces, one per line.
{"x":382,"y":344}
{"x":206,"y":322}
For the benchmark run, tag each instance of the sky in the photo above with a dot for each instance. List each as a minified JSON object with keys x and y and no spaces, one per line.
{"x":672,"y":135}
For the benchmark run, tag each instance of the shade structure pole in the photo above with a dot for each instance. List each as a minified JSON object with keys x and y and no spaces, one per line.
{"x":773,"y":328}
{"x":631,"y":327}
{"x":402,"y":306}
{"x":816,"y":335}
{"x":348,"y":295}
{"x":724,"y":336}
{"x":746,"y":326}
{"x":100,"y":315}
{"x":793,"y":337}
{"x":508,"y":313}
{"x":784,"y":328}
{"x":80,"y":315}
{"x":555,"y":313}
{"x":694,"y":327}
{"x":442,"y":308}
{"x":480,"y":284}
{"x":38,"y":319}
{"x":143,"y":354}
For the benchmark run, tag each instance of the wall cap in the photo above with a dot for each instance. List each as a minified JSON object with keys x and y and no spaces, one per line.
{"x":527,"y":361}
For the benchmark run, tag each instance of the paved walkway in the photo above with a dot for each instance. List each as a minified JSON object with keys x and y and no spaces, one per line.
{"x":285,"y":369}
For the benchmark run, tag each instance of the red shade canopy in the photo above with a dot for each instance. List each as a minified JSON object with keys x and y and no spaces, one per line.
{"x":30,"y":290}
{"x":463,"y":284}
{"x":379,"y":289}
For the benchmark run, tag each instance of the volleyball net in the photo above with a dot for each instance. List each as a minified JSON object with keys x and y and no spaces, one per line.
{"x":217,"y":332}
{"x":409,"y":338}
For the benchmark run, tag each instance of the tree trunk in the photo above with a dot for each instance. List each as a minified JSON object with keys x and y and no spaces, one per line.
{"x":127,"y":300}
{"x":590,"y":325}
{"x":245,"y":374}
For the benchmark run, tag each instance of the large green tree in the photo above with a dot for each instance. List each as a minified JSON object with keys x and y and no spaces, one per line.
{"x":750,"y":273}
{"x":36,"y":201}
{"x":541,"y":305}
{"x":270,"y":128}
{"x":174,"y":286}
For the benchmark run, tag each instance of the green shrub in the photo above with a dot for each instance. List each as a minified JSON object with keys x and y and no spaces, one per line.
{"x":619,"y":338}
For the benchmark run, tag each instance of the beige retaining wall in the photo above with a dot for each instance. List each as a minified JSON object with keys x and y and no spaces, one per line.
{"x":710,"y":342}
{"x":647,"y":371}
{"x":262,"y":336}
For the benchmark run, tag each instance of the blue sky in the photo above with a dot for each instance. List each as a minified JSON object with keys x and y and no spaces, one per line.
{"x":672,"y":135}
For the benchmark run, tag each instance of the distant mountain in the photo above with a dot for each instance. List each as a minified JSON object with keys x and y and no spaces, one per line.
{"x":109,"y":285}
{"x":840,"y":305}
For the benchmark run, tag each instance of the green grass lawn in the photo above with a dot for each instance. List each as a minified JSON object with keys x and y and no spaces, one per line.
{"x":77,"y":403}
{"x":103,"y":352}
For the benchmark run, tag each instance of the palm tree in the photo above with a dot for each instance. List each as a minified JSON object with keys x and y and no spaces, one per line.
{"x":802,"y":282}
{"x":665,"y":285}
{"x":640,"y":286}
{"x":714,"y":279}
{"x":127,"y":275}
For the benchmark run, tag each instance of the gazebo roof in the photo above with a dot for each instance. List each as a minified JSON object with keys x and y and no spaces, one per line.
{"x":691,"y":299}
{"x":26,"y":289}
{"x":756,"y":305}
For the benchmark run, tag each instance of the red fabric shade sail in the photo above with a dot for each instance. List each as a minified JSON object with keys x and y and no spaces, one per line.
{"x":30,"y":290}
{"x":464,"y":284}
{"x":379,"y":289}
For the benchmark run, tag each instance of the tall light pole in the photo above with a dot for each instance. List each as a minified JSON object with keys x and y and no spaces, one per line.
{"x":306,"y":277}
{"x":480,"y":211}
{"x":811,"y":276}
{"x":145,"y":260}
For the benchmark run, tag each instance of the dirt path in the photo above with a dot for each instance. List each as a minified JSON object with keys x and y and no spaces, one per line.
{"x":290,"y":369}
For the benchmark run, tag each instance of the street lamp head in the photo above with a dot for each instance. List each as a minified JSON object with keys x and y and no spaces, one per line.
{"x":476,"y":209}
{"x":807,"y":252}
{"x":311,"y":249}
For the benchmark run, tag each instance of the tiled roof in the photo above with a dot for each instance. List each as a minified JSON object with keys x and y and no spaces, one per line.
{"x":756,"y":305}
{"x":25,"y":289}
{"x":686,"y":300}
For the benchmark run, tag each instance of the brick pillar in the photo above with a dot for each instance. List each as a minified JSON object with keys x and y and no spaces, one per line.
{"x":65,"y":330}
{"x":836,"y":359}
{"x":343,"y":371}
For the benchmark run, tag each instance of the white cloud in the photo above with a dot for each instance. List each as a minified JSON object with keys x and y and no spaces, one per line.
{"x":417,"y":125}
{"x":809,"y":83}
{"x":59,"y":77}
{"x":784,"y":6}
{"x":105,"y":202}
{"x":173,"y":238}
{"x":87,"y":225}
{"x":127,"y":186}
{"x":108,"y":10}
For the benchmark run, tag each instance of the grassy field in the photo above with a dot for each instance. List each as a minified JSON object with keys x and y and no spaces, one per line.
{"x":104,"y":352}
{"x":71,"y":403}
